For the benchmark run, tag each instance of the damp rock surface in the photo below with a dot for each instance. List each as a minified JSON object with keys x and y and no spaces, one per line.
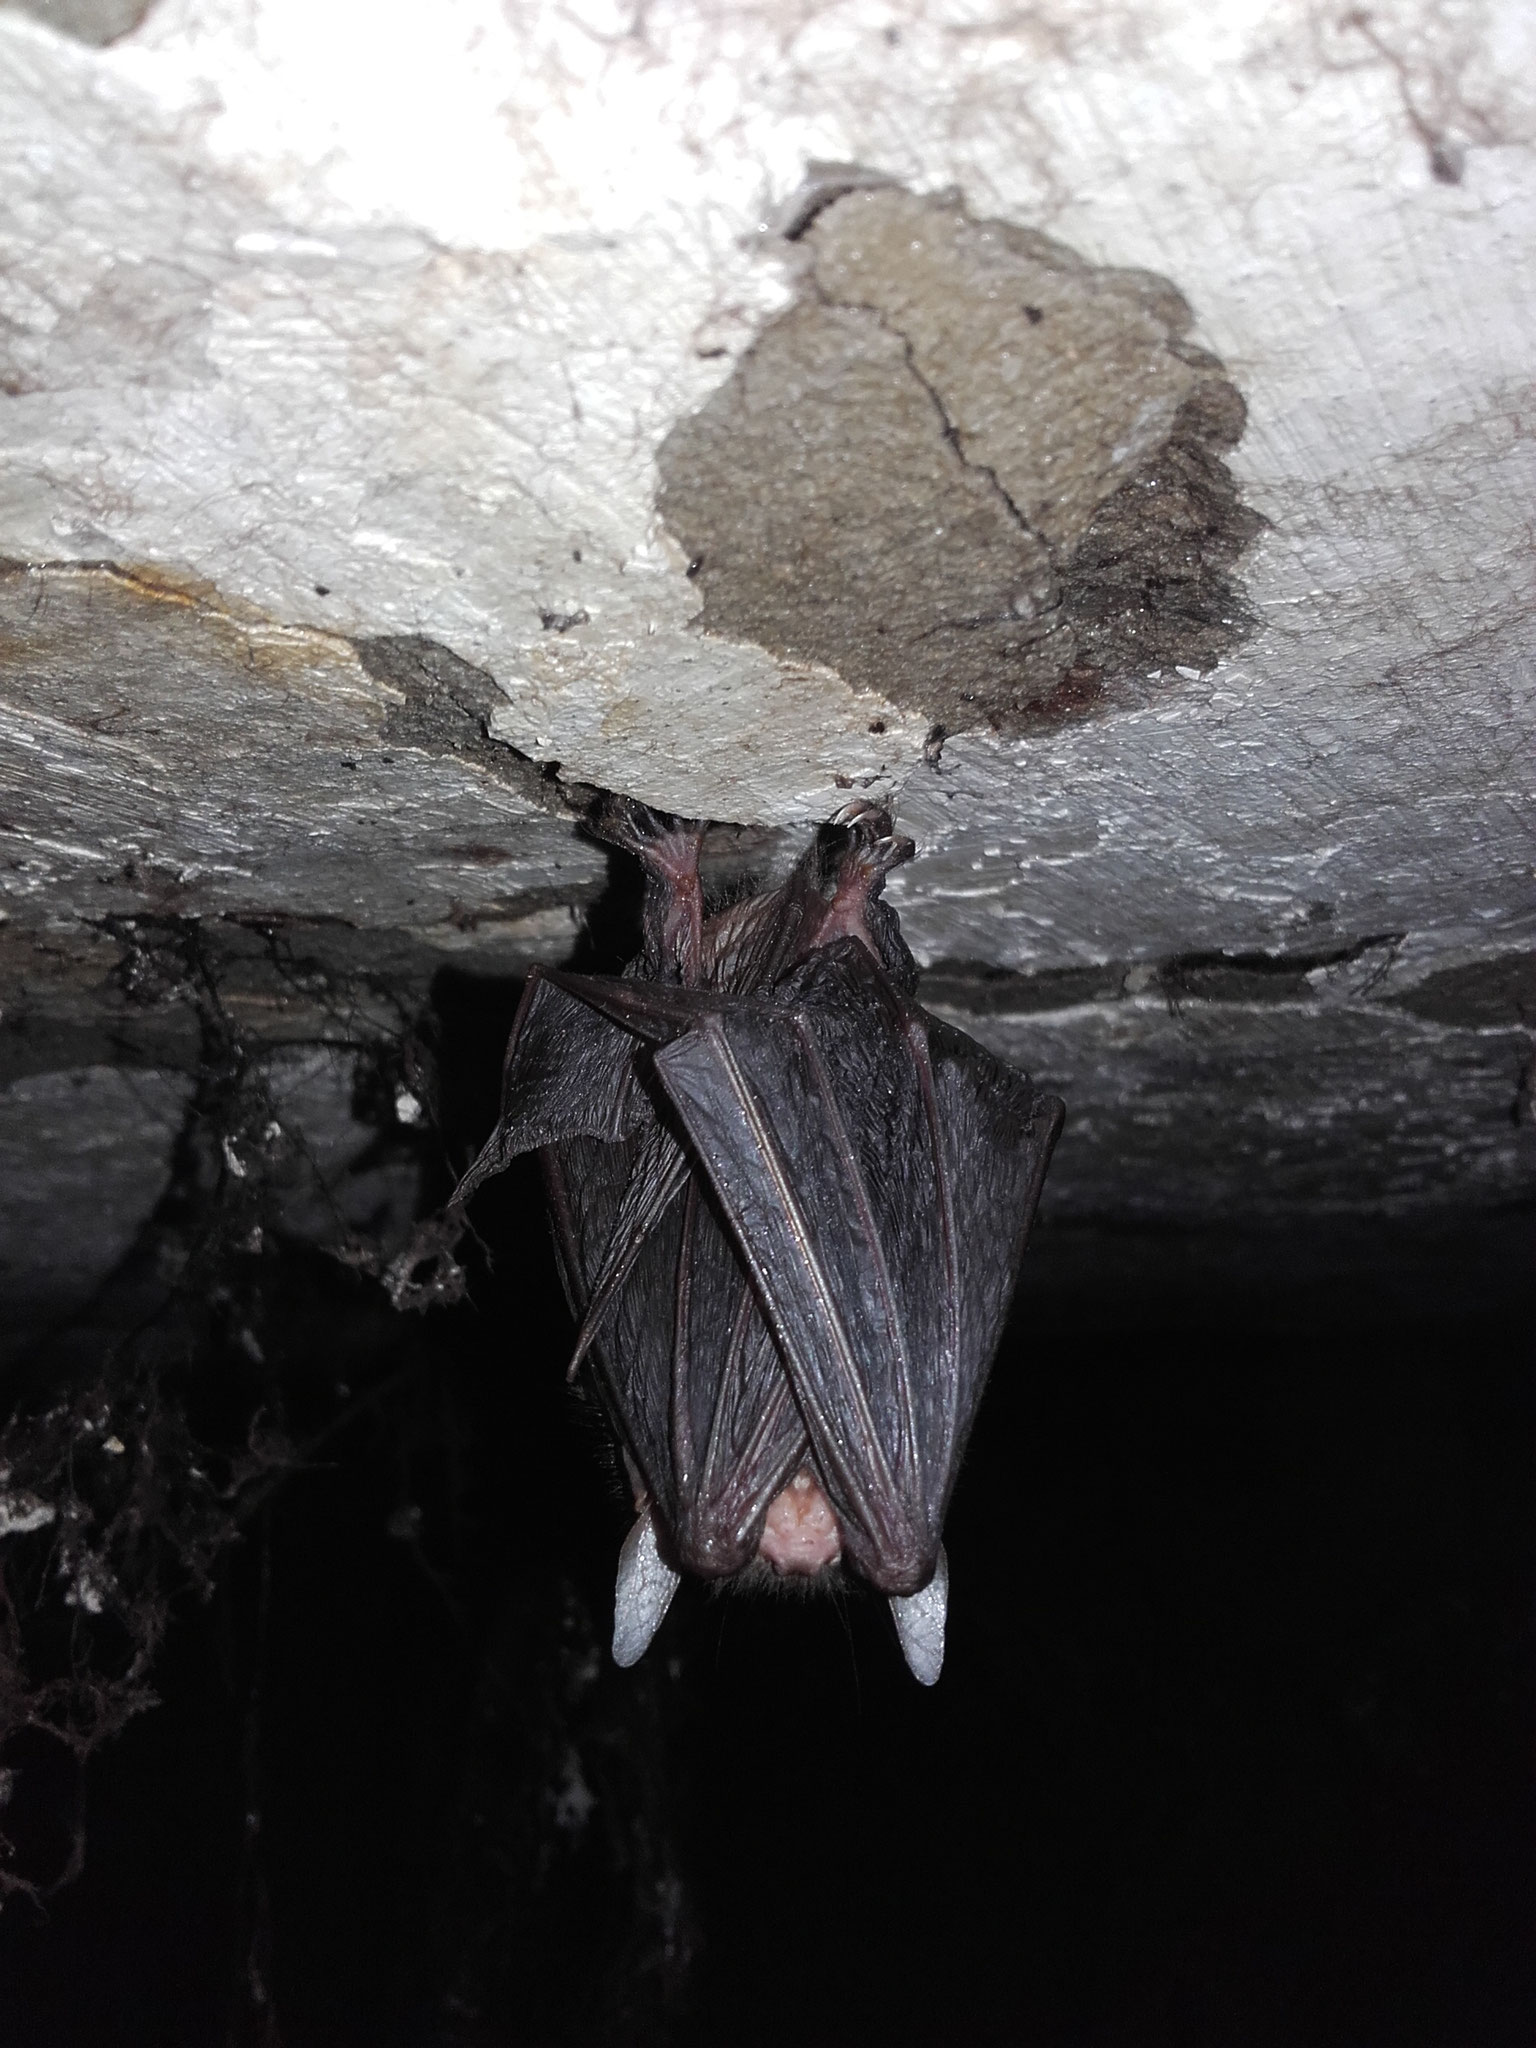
{"x":968,"y":469}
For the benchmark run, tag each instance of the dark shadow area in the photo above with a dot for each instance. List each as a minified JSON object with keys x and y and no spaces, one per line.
{"x":1232,"y":1744}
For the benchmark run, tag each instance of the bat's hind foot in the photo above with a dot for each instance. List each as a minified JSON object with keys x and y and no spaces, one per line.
{"x":871,"y":848}
{"x":665,"y":846}
{"x":668,"y":850}
{"x":874,"y":846}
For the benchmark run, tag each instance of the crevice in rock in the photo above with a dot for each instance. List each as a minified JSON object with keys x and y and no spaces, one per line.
{"x":1275,"y":977}
{"x":985,"y":991}
{"x":1501,"y":990}
{"x":966,"y":469}
{"x":822,"y":185}
{"x":948,"y":427}
{"x":447,"y":710}
{"x":1203,"y":977}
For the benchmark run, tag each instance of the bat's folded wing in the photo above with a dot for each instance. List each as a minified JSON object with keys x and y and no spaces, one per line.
{"x":683,"y":1360}
{"x":569,"y":1073}
{"x":879,"y":1171}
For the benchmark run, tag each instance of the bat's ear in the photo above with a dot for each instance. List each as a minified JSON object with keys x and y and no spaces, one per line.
{"x":645,"y":1589}
{"x":920,"y":1624}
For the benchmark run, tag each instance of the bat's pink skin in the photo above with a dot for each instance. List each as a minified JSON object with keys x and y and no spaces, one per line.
{"x":674,"y":900}
{"x":867,"y":863}
{"x":801,"y":1532}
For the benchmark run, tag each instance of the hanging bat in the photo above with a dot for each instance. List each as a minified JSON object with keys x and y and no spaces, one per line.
{"x":789,"y":1208}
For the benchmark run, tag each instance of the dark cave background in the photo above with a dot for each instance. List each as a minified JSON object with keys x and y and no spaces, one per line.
{"x":1232,"y":1744}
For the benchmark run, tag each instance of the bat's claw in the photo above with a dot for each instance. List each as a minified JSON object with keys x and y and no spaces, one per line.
{"x":920,"y":1621}
{"x":872,"y":848}
{"x":645,"y":1590}
{"x":859,"y":808}
{"x":876,"y":846}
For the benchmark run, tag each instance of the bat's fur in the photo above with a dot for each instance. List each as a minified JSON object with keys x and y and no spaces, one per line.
{"x":789,"y":1204}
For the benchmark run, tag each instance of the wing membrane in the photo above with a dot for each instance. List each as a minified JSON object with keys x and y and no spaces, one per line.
{"x":568,"y":1074}
{"x":686,"y":1364}
{"x":882,"y":1219}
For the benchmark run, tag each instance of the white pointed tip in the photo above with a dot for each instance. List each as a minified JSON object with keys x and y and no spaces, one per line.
{"x":645,"y":1590}
{"x":920,"y":1624}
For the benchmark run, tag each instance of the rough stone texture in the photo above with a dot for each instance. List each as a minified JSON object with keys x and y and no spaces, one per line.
{"x":378,"y":434}
{"x":280,"y":793}
{"x":352,"y":341}
{"x":420,"y":366}
{"x":1209,"y":1111}
{"x":84,"y":1156}
{"x":968,"y":470}
{"x":1242,"y":817}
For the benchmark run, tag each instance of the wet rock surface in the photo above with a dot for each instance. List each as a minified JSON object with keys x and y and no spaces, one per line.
{"x":967,"y":469}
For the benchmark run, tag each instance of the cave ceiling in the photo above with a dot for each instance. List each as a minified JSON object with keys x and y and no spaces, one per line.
{"x":1103,"y":435}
